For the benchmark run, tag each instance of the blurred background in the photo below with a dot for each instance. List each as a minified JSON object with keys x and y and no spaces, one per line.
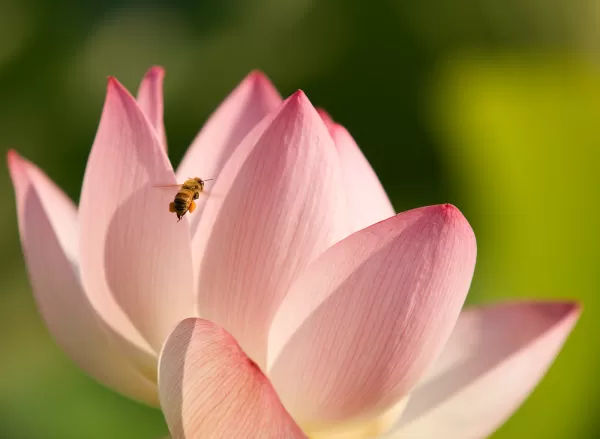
{"x":491,"y":105}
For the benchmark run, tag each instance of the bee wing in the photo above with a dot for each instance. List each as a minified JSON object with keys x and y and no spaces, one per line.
{"x":203,"y":193}
{"x":167,"y":186}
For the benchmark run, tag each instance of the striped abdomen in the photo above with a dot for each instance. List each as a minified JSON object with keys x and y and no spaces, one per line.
{"x":182,"y":201}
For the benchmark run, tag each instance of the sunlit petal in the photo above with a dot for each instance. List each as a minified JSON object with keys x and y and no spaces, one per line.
{"x":361,"y":324}
{"x":150,"y":100}
{"x":135,"y":256}
{"x":282,"y":206}
{"x":49,"y":231}
{"x":367,"y":201}
{"x":210,"y":389}
{"x":493,"y":360}
{"x":248,"y":104}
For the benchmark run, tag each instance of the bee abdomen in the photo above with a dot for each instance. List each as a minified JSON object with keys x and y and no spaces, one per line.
{"x":182,"y":200}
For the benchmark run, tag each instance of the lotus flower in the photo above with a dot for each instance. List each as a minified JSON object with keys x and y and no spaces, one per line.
{"x":293,"y":302}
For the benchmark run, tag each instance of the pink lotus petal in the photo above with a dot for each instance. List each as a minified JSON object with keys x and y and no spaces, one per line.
{"x":247,"y":105}
{"x":327,"y":119}
{"x":48,"y":229}
{"x":282,"y":206}
{"x":210,"y":389}
{"x":367,"y":201}
{"x":493,"y":360}
{"x":360,"y":325}
{"x":135,"y":256}
{"x":150,"y":100}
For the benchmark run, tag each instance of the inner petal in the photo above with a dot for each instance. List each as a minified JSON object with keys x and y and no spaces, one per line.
{"x":282,"y":206}
{"x":364,"y":428}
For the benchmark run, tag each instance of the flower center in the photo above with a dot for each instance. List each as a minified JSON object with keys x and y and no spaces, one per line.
{"x":368,"y":428}
{"x":364,"y":430}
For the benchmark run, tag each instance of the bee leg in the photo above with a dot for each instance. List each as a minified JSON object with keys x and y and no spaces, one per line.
{"x":171,"y":207}
{"x":192,"y":207}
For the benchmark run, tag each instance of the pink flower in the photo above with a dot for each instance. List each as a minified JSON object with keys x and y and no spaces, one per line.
{"x":292,"y":302}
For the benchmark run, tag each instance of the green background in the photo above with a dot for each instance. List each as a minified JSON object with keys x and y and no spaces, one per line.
{"x":491,"y":105}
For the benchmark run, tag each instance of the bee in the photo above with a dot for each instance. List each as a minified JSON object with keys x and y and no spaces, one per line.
{"x":184,"y":199}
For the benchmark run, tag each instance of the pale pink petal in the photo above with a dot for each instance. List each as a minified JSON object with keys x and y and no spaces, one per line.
{"x":367,"y":201}
{"x":493,"y":360}
{"x":247,"y":105}
{"x":48,"y":229}
{"x":210,"y":389}
{"x":150,"y":100}
{"x":327,"y":119}
{"x":135,"y":256}
{"x":360,"y":325}
{"x":282,"y":206}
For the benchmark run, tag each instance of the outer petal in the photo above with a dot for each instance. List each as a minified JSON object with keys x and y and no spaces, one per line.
{"x":327,"y":119}
{"x":250,"y":102}
{"x":281,"y":207}
{"x":48,"y":228}
{"x":367,"y":201}
{"x":150,"y":100}
{"x":361,"y":324}
{"x":135,"y":256}
{"x":493,"y":360}
{"x":210,"y":389}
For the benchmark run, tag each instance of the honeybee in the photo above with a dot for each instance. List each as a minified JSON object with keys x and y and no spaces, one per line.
{"x":184,"y":199}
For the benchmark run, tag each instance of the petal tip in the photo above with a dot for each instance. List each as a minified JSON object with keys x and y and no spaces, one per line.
{"x":568,"y":310}
{"x":157,"y":71}
{"x":299,"y":102}
{"x":447,"y":212}
{"x":116,"y":88}
{"x":448,"y":216}
{"x":258,"y":76}
{"x":12,"y":158}
{"x":16,"y":163}
{"x":113,"y":86}
{"x":557,"y":311}
{"x":257,"y":79}
{"x":111,"y":81}
{"x":299,"y":95}
{"x":15,"y":167}
{"x":552,"y":311}
{"x":118,"y":96}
